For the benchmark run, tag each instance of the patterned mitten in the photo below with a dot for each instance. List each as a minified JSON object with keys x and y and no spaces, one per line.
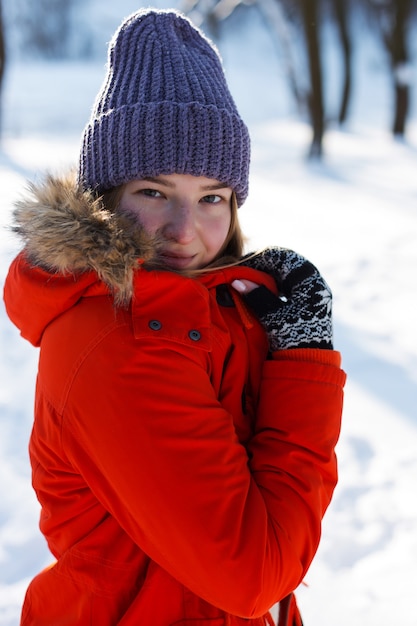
{"x":301,"y":315}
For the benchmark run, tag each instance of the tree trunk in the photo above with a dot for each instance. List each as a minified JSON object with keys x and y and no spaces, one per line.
{"x":2,"y":62}
{"x":341,"y":13}
{"x":309,"y":11}
{"x":400,"y":60}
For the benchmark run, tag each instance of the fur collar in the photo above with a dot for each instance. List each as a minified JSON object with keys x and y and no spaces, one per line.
{"x":66,"y":230}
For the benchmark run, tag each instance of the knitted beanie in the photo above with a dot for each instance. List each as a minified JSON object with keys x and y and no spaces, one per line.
{"x":164,"y":108}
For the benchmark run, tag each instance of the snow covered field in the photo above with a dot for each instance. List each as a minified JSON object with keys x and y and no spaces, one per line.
{"x":355,"y":216}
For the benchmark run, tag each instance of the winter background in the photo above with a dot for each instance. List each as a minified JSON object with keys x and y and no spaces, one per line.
{"x":354,"y":214}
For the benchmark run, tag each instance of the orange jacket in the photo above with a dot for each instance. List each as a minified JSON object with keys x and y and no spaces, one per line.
{"x":182,"y":476}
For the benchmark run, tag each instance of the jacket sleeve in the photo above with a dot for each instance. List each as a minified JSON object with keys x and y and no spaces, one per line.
{"x":144,"y":427}
{"x":292,"y":454}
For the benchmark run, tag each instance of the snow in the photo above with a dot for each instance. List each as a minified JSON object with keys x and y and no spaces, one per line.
{"x":355,"y":216}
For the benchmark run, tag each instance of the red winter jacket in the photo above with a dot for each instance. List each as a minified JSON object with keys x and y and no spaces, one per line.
{"x":182,"y":476}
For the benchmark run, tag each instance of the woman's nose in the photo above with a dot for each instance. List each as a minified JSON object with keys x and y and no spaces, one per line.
{"x":181,"y":225}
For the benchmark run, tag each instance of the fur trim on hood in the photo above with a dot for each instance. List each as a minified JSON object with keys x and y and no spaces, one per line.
{"x":67,"y":230}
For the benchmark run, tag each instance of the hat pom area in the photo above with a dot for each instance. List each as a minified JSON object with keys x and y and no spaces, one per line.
{"x":164,"y":108}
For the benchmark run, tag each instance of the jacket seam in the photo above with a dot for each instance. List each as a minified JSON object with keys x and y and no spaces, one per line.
{"x":82,"y":357}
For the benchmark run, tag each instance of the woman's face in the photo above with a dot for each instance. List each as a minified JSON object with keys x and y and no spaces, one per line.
{"x":191,"y":213}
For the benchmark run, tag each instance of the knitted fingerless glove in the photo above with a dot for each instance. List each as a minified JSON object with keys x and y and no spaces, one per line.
{"x":301,"y":315}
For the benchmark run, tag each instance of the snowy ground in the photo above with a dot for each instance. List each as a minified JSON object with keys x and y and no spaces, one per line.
{"x":354,"y":215}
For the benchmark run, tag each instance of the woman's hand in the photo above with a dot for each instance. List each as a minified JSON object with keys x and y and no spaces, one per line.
{"x":301,"y":315}
{"x":244,"y":286}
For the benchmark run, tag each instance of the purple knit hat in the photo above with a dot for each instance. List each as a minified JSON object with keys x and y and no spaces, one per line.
{"x":164,"y":108}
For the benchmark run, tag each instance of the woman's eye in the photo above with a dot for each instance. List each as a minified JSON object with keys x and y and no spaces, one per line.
{"x":151,"y":193}
{"x":212,"y":199}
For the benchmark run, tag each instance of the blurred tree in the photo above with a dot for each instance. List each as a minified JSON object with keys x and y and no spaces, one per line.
{"x":394,"y":18}
{"x":49,"y":28}
{"x":2,"y":58}
{"x":46,"y":26}
{"x":342,"y":10}
{"x":306,"y":77}
{"x":310,"y":20}
{"x":311,"y":16}
{"x":398,"y":47}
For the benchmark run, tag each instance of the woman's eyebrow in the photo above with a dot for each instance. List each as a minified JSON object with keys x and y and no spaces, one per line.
{"x":158,"y":181}
{"x":214,"y":187}
{"x":163,"y":181}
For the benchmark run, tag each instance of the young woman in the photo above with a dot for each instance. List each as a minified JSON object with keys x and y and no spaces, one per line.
{"x":188,"y":401}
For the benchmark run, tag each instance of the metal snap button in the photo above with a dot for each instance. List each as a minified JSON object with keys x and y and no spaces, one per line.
{"x":155,"y":325}
{"x":194,"y":335}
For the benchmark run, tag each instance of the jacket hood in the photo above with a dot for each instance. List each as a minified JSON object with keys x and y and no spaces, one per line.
{"x":66,"y":230}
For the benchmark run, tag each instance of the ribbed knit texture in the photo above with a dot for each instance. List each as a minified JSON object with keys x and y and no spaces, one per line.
{"x":164,"y":108}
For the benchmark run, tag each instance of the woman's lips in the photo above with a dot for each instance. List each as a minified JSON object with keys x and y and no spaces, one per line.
{"x":177,"y":261}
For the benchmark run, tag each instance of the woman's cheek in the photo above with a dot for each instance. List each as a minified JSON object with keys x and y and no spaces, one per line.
{"x":149,"y":221}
